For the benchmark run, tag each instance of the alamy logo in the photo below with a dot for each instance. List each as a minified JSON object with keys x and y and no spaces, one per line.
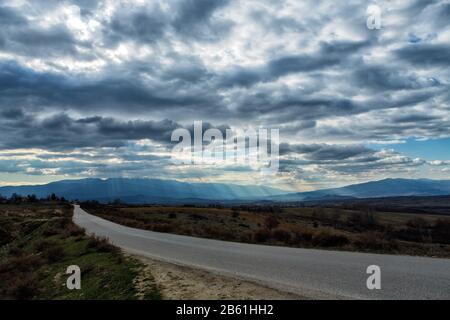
{"x":257,"y":148}
{"x":74,"y":280}
{"x":374,"y":280}
{"x":373,"y":17}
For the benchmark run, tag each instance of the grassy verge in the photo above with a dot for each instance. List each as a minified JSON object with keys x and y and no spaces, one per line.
{"x":40,"y":242}
{"x":358,"y":229}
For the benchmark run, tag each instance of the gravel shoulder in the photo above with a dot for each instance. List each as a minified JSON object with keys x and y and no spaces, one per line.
{"x":176,"y":282}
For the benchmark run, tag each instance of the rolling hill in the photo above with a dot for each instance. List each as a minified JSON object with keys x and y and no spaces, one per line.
{"x":374,"y":189}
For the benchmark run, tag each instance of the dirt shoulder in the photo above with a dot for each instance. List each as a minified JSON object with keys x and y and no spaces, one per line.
{"x":179,"y":282}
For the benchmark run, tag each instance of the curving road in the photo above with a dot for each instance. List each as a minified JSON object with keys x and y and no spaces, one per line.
{"x":314,"y":273}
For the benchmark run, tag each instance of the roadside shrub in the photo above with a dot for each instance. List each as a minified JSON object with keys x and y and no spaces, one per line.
{"x":64,"y":223}
{"x":23,"y":263}
{"x":413,"y":234}
{"x":261,"y":235}
{"x":281,"y":235}
{"x":50,"y":231}
{"x":441,"y":231}
{"x":218,"y":233}
{"x":375,"y":241}
{"x":15,"y":251}
{"x":195,"y":216}
{"x":101,"y":244}
{"x":235,"y":214}
{"x":23,"y":287}
{"x":186,"y":231}
{"x":172,"y":215}
{"x":162,"y":227}
{"x":53,"y":253}
{"x":246,"y":236}
{"x":73,"y":230}
{"x":40,"y":245}
{"x":5,"y":236}
{"x":328,"y":239}
{"x":303,"y":236}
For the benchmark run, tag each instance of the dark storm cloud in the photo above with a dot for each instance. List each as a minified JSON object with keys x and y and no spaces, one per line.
{"x":24,"y":86}
{"x":9,"y":17}
{"x":425,"y":55}
{"x":143,"y":26}
{"x":12,"y":113}
{"x":193,"y":19}
{"x":381,"y":165}
{"x":62,"y":132}
{"x":275,"y":24}
{"x":324,"y":151}
{"x":330,"y":54}
{"x":149,"y":24}
{"x":288,"y":106}
{"x":387,"y":78}
{"x":415,"y":118}
{"x":345,"y":159}
{"x":60,"y":164}
{"x":52,"y":41}
{"x":20,"y":36}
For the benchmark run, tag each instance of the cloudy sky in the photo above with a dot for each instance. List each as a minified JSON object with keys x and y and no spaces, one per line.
{"x":95,"y":89}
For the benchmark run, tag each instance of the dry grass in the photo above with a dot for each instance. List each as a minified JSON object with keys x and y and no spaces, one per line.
{"x":318,"y":227}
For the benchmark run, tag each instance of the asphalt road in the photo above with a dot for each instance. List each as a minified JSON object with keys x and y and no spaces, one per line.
{"x":308,"y":272}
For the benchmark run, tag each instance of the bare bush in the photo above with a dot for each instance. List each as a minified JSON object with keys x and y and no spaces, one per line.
{"x":101,"y":244}
{"x":53,"y":253}
{"x":328,"y":239}
{"x":441,"y":231}
{"x":303,"y":236}
{"x":23,"y":263}
{"x":24,"y":287}
{"x":73,"y":230}
{"x":261,"y":235}
{"x":271,"y":222}
{"x":162,"y":227}
{"x":281,"y":235}
{"x":375,"y":241}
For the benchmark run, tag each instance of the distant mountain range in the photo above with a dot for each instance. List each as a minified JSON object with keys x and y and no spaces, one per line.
{"x":374,"y":189}
{"x":143,"y":190}
{"x":172,"y":191}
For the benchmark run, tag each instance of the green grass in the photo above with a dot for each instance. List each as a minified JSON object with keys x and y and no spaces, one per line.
{"x":33,"y":266}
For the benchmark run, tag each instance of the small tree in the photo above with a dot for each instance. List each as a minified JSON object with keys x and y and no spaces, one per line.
{"x":271,"y":222}
{"x":117,"y":202}
{"x":15,"y":198}
{"x":32,"y":198}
